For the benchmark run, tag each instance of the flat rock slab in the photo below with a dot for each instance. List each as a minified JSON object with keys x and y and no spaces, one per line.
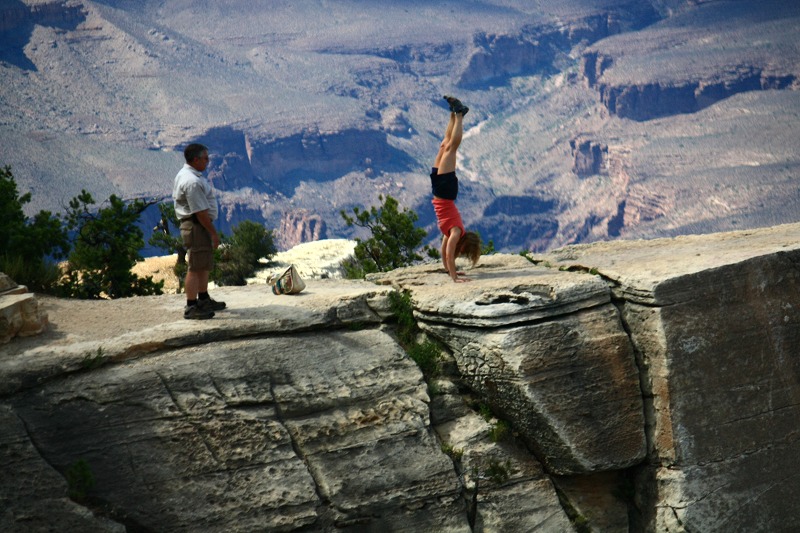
{"x":505,"y":289}
{"x":86,"y":333}
{"x":640,"y":267}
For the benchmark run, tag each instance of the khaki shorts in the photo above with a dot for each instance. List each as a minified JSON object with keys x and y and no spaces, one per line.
{"x":197,"y":242}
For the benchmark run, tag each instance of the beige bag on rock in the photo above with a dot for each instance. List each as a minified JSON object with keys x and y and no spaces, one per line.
{"x":289,"y":282}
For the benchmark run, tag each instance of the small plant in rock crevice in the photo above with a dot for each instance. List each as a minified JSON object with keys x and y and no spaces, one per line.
{"x":499,"y":431}
{"x":454,"y":453}
{"x":498,"y":472}
{"x":91,"y":360}
{"x":80,"y":480}
{"x":426,"y":354}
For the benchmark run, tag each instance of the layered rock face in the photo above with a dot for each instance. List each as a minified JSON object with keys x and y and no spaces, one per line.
{"x":623,"y":386}
{"x":50,"y":13}
{"x":298,"y":227}
{"x":547,"y":350}
{"x":648,"y":75}
{"x":715,"y":322}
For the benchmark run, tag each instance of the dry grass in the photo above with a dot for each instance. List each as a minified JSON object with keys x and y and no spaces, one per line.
{"x":161,"y":269}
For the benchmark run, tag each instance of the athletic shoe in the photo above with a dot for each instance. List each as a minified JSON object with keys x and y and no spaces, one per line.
{"x":196,"y":312}
{"x":212,"y":304}
{"x":451,"y":101}
{"x":460,"y":108}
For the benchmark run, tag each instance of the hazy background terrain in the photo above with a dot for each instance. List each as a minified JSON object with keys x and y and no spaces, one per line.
{"x":590,"y":119}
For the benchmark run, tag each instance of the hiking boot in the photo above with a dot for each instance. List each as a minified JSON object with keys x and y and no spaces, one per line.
{"x":452,"y":101}
{"x":211,"y":303}
{"x":196,"y":312}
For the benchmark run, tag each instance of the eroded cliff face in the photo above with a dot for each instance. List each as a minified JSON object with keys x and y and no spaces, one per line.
{"x":627,"y":386}
{"x":659,"y":72}
{"x":17,"y":14}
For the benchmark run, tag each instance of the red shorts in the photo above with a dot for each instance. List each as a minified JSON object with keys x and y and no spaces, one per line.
{"x":447,"y":215}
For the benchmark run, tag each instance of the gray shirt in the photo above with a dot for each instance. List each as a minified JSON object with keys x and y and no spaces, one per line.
{"x":193,"y":193}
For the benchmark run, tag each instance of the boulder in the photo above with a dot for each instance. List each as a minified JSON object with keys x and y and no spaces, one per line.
{"x":20,"y":314}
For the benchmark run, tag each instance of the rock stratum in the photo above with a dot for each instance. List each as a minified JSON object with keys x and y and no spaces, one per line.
{"x":590,"y":120}
{"x":616,"y":386}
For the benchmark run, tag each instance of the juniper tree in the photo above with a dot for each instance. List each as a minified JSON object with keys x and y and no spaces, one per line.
{"x":28,"y":246}
{"x":394,"y":240}
{"x":107,"y":245}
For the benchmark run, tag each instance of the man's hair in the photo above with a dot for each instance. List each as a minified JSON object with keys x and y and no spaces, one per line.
{"x":469,"y":246}
{"x":193,"y":151}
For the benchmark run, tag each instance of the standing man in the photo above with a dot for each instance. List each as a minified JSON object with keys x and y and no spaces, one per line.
{"x":196,"y":208}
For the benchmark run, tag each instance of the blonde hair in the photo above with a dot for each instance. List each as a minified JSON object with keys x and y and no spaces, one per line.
{"x":469,"y":246}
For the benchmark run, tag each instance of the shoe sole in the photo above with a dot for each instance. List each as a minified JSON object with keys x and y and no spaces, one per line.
{"x":199,"y":317}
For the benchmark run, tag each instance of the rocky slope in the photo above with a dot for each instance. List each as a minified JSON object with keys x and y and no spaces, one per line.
{"x":316,"y":107}
{"x":620,"y":386}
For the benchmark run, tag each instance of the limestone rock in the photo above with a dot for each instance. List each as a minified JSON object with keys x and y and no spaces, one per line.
{"x":590,"y":157}
{"x":715,"y":321}
{"x":110,"y":332}
{"x":6,"y":283}
{"x":299,"y":226}
{"x":20,"y":314}
{"x":506,"y":488}
{"x":547,"y":350}
{"x":34,"y":498}
{"x":275,"y":433}
{"x":657,"y":374}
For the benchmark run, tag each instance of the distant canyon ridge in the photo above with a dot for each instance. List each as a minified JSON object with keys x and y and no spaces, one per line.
{"x":590,"y":120}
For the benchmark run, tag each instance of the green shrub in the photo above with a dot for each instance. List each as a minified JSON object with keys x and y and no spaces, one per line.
{"x":239,"y":256}
{"x":37,"y":275}
{"x":94,"y":360}
{"x":454,"y":453}
{"x":400,"y":304}
{"x":393,"y":243}
{"x":106,"y":247}
{"x":28,"y":245}
{"x":498,"y":431}
{"x":498,"y":472}
{"x":485,"y":412}
{"x":427,"y":356}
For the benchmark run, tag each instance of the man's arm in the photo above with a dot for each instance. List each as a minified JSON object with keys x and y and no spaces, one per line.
{"x":205,"y":221}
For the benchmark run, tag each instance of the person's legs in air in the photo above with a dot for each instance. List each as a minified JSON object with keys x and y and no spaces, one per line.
{"x":446,"y":141}
{"x":447,"y":152}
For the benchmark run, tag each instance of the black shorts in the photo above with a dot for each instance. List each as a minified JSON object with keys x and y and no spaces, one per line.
{"x":444,"y":186}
